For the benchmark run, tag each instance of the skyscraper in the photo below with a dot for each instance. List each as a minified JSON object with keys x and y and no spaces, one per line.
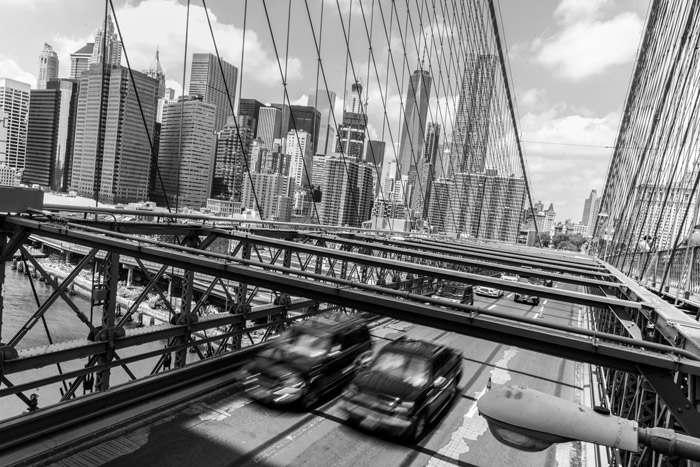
{"x":48,"y":66}
{"x":251,"y":108}
{"x":351,"y":135}
{"x":107,"y":45}
{"x":270,"y":125}
{"x":215,"y":87}
{"x":186,"y":153}
{"x":156,"y":72}
{"x":112,"y":153}
{"x":414,"y":122}
{"x":347,"y":196}
{"x":14,"y":113}
{"x":80,"y":60}
{"x":66,"y":131}
{"x":590,"y":211}
{"x":471,"y":129}
{"x":324,"y":101}
{"x":42,"y":136}
{"x":300,"y":148}
{"x":232,"y":158}
{"x":426,"y":171}
{"x":301,"y":117}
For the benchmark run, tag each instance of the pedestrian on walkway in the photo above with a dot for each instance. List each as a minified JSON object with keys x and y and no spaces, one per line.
{"x":693,"y":239}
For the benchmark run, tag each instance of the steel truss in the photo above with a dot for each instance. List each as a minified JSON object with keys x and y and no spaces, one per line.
{"x":310,"y":272}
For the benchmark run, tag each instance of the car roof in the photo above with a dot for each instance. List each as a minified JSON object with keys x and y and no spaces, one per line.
{"x":332,"y":323}
{"x":413,"y":347}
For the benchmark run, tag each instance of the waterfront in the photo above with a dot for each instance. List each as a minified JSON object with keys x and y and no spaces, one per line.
{"x":63,"y":326}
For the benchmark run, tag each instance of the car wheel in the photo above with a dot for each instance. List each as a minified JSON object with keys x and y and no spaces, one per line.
{"x":311,"y":395}
{"x":537,"y":302}
{"x":419,"y":427}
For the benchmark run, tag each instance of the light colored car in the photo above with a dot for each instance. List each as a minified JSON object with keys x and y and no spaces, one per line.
{"x":488,"y":291}
{"x":510,"y":277}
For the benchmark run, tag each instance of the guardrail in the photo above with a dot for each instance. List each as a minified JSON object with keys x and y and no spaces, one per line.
{"x":675,"y":274}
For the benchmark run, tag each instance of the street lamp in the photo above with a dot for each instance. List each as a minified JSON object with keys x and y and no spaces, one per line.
{"x":530,"y":420}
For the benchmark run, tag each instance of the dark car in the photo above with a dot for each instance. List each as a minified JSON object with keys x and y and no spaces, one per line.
{"x":308,"y":360}
{"x":456,"y":292}
{"x":526,"y":297}
{"x":404,"y":388}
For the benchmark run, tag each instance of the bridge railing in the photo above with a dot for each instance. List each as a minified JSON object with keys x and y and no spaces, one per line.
{"x":673,"y":274}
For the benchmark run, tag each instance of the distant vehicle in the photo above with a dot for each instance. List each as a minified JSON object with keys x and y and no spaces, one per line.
{"x":308,"y":360}
{"x":488,"y":291}
{"x":456,"y":292}
{"x":510,"y":277}
{"x":404,"y":389}
{"x":526,"y":298}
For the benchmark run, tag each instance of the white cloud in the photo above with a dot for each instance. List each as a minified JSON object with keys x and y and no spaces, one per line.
{"x":570,"y":11}
{"x":161,"y":23}
{"x":11,"y":69}
{"x":586,"y":47}
{"x":565,"y":173}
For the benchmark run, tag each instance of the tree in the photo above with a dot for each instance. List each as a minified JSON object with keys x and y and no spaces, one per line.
{"x":568,"y":242}
{"x":545,"y":239}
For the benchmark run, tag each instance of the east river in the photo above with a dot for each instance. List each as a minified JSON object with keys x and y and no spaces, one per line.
{"x":63,"y":326}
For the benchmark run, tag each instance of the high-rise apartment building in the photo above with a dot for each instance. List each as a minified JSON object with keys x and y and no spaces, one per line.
{"x":48,"y":66}
{"x":300,"y":147}
{"x":375,"y":152}
{"x":324,"y":101}
{"x":108,"y":47}
{"x":414,"y":122}
{"x":232,"y":157}
{"x":269,"y":189}
{"x":186,"y":153}
{"x":14,"y":114}
{"x":112,"y":154}
{"x":215,"y":87}
{"x":471,"y":129}
{"x":80,"y":60}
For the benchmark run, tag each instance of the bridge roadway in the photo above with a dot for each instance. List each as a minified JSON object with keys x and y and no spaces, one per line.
{"x":223,"y":427}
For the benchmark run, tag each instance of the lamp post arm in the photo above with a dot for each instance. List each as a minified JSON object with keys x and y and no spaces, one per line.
{"x":666,"y":441}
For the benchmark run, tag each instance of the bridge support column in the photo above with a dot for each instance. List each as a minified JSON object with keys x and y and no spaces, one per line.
{"x":241,"y":300}
{"x":108,"y":313}
{"x":185,"y":317}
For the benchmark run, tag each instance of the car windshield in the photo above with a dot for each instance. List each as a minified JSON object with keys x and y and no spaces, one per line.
{"x":407,"y":368}
{"x":307,"y":344}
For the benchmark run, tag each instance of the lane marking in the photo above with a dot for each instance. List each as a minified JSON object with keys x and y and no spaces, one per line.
{"x":491,"y":307}
{"x":472,"y":427}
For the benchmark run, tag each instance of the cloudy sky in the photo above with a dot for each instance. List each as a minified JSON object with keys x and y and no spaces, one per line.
{"x":571,"y":63}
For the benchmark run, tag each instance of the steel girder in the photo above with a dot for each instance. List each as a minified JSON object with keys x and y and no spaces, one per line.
{"x":487,"y":323}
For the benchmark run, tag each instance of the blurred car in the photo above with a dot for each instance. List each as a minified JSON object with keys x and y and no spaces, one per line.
{"x":488,"y":291}
{"x":404,"y":388}
{"x":526,"y":298}
{"x":456,"y":292}
{"x":308,"y":360}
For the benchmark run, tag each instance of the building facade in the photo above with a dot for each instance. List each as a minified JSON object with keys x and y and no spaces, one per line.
{"x":14,"y":114}
{"x":48,"y":66}
{"x":471,"y":129}
{"x":186,"y":153}
{"x":300,"y":147}
{"x":112,"y":149}
{"x":108,"y":47}
{"x":323,"y":100}
{"x":215,"y":87}
{"x":232,"y":158}
{"x":80,"y":60}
